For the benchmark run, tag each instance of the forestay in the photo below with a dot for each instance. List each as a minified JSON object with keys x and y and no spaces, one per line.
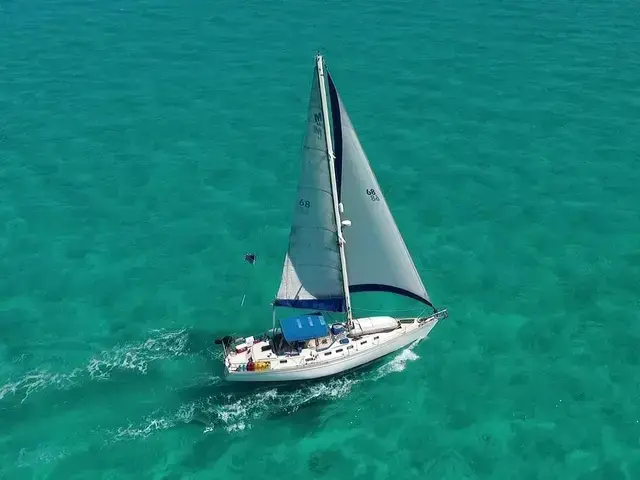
{"x":377,"y":257}
{"x":311,"y":276}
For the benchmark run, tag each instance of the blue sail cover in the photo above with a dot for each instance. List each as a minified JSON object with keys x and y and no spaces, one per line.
{"x":305,"y":327}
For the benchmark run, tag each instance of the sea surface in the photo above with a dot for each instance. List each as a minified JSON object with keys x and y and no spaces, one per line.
{"x":146,"y":146}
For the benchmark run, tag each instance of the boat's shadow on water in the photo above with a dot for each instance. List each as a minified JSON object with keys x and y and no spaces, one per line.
{"x":229,"y":406}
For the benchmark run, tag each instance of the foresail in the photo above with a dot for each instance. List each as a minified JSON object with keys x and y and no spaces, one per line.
{"x":311,"y":276}
{"x":377,"y":257}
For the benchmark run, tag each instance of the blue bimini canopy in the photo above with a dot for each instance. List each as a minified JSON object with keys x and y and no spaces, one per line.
{"x":297,"y":329}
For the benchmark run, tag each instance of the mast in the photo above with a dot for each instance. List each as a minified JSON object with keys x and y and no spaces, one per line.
{"x":334,"y":188}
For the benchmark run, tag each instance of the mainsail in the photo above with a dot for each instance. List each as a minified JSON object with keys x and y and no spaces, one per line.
{"x":376,"y":255}
{"x":311,"y":276}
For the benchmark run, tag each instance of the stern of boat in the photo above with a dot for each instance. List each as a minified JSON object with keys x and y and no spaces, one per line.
{"x":244,"y":357}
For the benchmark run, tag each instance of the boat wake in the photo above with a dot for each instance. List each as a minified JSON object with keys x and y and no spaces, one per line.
{"x":129,"y":357}
{"x":398,"y":363}
{"x":209,"y":402}
{"x":237,"y":411}
{"x":137,"y":357}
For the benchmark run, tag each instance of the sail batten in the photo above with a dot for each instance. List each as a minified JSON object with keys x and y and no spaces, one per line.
{"x":377,"y":257}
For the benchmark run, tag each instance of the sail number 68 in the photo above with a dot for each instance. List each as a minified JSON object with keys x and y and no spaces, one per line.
{"x":372,"y":194}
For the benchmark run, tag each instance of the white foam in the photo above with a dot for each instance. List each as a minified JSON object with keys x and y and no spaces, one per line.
{"x":37,"y":380}
{"x":399,"y":363}
{"x":138,"y":356}
{"x":154,"y":423}
{"x":43,"y":453}
{"x":235,"y":414}
{"x":135,"y":356}
{"x":149,"y":426}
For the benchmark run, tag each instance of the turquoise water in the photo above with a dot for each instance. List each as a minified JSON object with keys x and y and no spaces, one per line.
{"x":146,"y":146}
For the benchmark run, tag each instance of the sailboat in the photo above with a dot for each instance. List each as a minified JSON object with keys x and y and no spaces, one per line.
{"x":343,"y":240}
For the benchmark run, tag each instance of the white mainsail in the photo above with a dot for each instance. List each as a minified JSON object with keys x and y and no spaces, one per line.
{"x":311,"y":276}
{"x":376,"y":255}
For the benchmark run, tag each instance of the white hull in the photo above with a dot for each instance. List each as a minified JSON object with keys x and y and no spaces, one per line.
{"x":363,"y":350}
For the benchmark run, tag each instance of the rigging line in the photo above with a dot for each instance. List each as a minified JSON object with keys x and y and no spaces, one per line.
{"x":388,"y":309}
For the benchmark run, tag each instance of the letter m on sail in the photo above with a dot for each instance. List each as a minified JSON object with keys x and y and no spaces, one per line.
{"x":318,"y":118}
